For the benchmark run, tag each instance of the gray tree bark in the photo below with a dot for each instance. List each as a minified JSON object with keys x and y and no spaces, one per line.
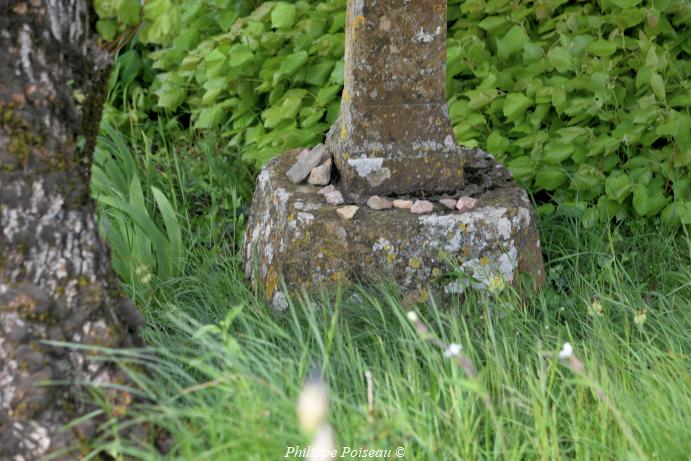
{"x":56,"y":281}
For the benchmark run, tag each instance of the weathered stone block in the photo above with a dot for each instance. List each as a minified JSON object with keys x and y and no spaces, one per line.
{"x":394,"y":135}
{"x":294,"y":234}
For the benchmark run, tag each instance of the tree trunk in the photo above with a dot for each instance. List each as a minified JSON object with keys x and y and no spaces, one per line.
{"x":56,"y":281}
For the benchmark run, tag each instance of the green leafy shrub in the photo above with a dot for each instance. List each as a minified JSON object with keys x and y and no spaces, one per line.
{"x":586,"y":101}
{"x":273,"y":81}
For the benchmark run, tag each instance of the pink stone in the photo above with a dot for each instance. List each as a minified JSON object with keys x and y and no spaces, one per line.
{"x":326,"y":190}
{"x":303,"y":153}
{"x":304,"y":164}
{"x":466,"y":204}
{"x":321,"y":175}
{"x":422,"y":207}
{"x":347,"y":212}
{"x":448,"y":203}
{"x":405,"y":204}
{"x":334,"y":198}
{"x":376,"y":202}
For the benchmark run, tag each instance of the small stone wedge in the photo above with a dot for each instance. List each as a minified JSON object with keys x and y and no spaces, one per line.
{"x":321,"y":175}
{"x":304,"y":165}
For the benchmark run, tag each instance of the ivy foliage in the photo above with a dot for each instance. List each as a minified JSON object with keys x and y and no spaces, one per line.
{"x":587,"y":102}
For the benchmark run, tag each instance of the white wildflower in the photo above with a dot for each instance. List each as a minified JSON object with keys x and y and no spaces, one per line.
{"x":412,"y":316}
{"x":496,"y":284}
{"x":453,"y":350}
{"x":566,"y":351}
{"x":313,"y":406}
{"x":596,"y":308}
{"x":323,"y":447}
{"x":640,"y":318}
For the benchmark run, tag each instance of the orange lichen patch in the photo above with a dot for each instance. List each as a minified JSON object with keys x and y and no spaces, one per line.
{"x":338,"y":276}
{"x":484,"y":261}
{"x":22,"y":302}
{"x":271,"y":282}
{"x":346,"y":95}
{"x":358,"y":21}
{"x":120,"y":402}
{"x":462,"y":227}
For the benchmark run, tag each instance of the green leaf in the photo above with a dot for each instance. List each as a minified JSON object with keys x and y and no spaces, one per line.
{"x":337,"y":75}
{"x":522,"y":168}
{"x":658,"y":86}
{"x":647,"y":200}
{"x":560,"y":59}
{"x":106,"y":28}
{"x":549,"y":178}
{"x":326,"y":95}
{"x":515,"y":105}
{"x":556,"y":152}
{"x":491,"y":23}
{"x":532,"y":52}
{"x":310,"y":116}
{"x":512,"y":42}
{"x":128,"y":11}
{"x":559,"y":100}
{"x":677,"y":212}
{"x":618,"y":186}
{"x":173,"y":230}
{"x":292,"y":63}
{"x":496,"y":143}
{"x":239,"y":55}
{"x":283,"y":15}
{"x":170,"y":97}
{"x":226,"y":18}
{"x":105,"y":8}
{"x":587,"y":179}
{"x":608,"y":209}
{"x":290,"y":106}
{"x":154,"y":9}
{"x":209,"y":117}
{"x":629,"y":17}
{"x":319,"y":73}
{"x":602,"y":48}
{"x":481,"y":98}
{"x":626,"y":3}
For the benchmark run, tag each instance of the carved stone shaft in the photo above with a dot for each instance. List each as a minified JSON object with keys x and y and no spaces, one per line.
{"x":394,"y":135}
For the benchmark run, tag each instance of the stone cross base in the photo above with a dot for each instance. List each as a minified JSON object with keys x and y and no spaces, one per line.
{"x":295,"y":236}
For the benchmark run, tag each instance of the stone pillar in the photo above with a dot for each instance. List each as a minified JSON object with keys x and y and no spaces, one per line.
{"x":394,"y":139}
{"x":394,"y":135}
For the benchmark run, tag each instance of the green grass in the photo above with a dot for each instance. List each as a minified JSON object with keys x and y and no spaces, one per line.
{"x":224,"y":372}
